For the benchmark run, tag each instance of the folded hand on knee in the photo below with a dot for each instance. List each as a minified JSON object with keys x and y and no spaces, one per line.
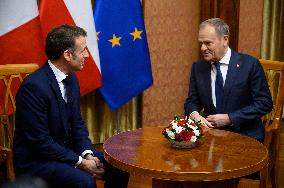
{"x":94,"y":167}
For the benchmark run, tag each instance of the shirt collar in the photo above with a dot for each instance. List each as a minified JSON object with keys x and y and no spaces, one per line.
{"x":227,"y":56}
{"x":59,"y":75}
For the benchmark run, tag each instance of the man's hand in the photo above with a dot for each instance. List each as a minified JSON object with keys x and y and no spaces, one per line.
{"x":204,"y":122}
{"x":91,"y":167}
{"x":219,"y":120}
{"x":97,"y":161}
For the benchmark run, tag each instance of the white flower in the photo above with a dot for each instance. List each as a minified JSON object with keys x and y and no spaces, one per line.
{"x":190,"y":121}
{"x":193,"y":127}
{"x":193,"y":139}
{"x":177,"y":128}
{"x":196,"y":132}
{"x":170,"y":134}
{"x":174,"y":122}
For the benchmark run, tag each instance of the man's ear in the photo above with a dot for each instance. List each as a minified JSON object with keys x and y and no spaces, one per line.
{"x":67,"y":55}
{"x":226,"y":40}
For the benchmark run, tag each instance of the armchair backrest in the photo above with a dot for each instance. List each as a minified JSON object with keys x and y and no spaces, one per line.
{"x":274,"y":71}
{"x":11,"y":76}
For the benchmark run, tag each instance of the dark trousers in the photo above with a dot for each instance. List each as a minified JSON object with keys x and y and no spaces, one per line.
{"x":68,"y":176}
{"x":61,"y":175}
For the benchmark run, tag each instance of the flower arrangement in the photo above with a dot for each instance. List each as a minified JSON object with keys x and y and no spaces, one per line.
{"x":183,"y":130}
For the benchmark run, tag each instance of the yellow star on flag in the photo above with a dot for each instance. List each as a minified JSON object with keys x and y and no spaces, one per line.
{"x":136,"y":34}
{"x":114,"y":40}
{"x":97,"y":33}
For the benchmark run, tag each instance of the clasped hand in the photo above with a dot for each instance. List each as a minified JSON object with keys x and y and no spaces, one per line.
{"x":93,"y":166}
{"x":212,"y":121}
{"x":219,"y":120}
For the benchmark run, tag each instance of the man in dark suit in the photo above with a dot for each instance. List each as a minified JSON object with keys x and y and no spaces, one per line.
{"x":51,"y":140}
{"x":231,"y":87}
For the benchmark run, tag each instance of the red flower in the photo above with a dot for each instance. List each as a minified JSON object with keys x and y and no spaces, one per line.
{"x":182,"y":122}
{"x":192,"y":123}
{"x":186,"y":135}
{"x":178,"y":136}
{"x":164,"y":131}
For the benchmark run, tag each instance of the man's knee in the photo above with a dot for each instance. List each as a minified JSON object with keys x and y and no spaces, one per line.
{"x":63,"y":175}
{"x":85,"y":181}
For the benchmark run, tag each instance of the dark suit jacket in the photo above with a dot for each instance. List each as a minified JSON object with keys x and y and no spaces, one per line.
{"x":42,"y":132}
{"x":246,"y":94}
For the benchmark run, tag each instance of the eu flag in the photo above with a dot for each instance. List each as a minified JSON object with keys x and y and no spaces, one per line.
{"x":124,"y":54}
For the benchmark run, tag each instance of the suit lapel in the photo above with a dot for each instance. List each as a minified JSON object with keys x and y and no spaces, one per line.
{"x":233,"y":70}
{"x":55,"y":87}
{"x":206,"y":75}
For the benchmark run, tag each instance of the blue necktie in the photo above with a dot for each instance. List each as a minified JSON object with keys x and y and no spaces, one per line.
{"x":67,"y":85}
{"x":219,"y":89}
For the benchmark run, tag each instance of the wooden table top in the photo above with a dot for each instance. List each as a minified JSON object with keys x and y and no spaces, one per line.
{"x":220,"y":155}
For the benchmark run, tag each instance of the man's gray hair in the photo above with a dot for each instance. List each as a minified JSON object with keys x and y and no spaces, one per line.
{"x":221,"y":27}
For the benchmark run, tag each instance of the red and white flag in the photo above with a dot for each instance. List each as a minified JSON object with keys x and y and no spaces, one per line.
{"x":20,"y":33}
{"x":20,"y":39}
{"x":54,"y":13}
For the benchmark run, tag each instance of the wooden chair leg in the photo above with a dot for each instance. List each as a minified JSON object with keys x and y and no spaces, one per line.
{"x":10,"y":166}
{"x":274,"y":176}
{"x":264,"y":177}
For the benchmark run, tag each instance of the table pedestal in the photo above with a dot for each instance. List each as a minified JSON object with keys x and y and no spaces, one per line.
{"x":157,"y":183}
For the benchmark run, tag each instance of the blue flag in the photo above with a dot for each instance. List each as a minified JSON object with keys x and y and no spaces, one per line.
{"x":124,"y":54}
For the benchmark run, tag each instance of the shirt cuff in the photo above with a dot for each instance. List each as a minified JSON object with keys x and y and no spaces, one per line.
{"x":79,"y":162}
{"x":86,"y":152}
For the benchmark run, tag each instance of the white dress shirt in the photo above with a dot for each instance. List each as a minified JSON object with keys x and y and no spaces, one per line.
{"x":60,"y":76}
{"x":224,"y":64}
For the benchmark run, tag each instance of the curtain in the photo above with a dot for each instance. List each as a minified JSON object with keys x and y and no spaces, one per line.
{"x":272,"y":46}
{"x":102,"y":123}
{"x":273,"y":35}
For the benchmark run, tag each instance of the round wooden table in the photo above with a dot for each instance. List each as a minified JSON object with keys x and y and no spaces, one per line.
{"x":217,"y":161}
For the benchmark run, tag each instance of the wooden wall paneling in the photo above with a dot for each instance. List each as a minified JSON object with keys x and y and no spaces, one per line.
{"x":228,"y":10}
